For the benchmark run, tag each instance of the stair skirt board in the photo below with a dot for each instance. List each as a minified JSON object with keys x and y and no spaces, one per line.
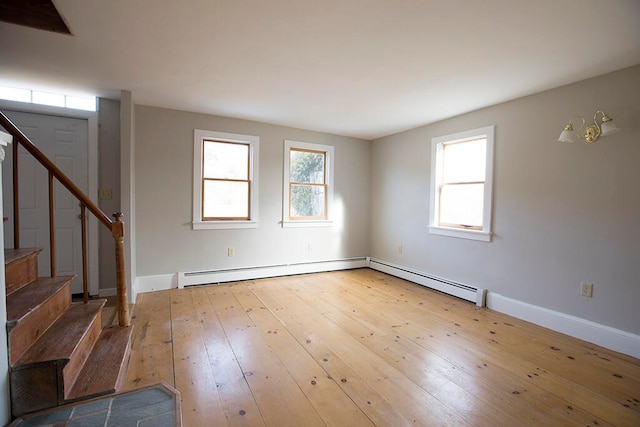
{"x":460,"y":290}
{"x":194,"y":278}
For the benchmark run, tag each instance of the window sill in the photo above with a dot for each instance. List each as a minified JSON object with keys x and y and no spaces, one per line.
{"x":306,"y":224}
{"x":482,"y":236}
{"x":221,"y":225}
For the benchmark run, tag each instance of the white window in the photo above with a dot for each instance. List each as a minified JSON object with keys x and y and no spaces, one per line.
{"x":308,"y":184}
{"x":461,"y":184}
{"x":46,"y":98}
{"x":225,"y":185}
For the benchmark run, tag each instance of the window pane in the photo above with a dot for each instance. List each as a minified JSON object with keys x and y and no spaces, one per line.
{"x":45,"y":98}
{"x":224,"y":199}
{"x":462,"y":205}
{"x":224,"y":160}
{"x":306,"y":166}
{"x":14,"y":94}
{"x":88,"y":104}
{"x":307,"y":201}
{"x":465,"y":161}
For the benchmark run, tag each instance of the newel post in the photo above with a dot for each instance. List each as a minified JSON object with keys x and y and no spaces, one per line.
{"x":117,"y":230}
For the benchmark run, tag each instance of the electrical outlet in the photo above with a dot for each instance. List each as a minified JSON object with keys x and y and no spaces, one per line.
{"x":399,"y":249}
{"x":586,"y":289}
{"x":231,"y":252}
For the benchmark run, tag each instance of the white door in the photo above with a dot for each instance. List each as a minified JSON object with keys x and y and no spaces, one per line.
{"x":65,"y":141}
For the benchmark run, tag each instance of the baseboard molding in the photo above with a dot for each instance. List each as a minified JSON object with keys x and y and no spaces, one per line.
{"x":605,"y":336}
{"x":158,"y":282}
{"x":234,"y":274}
{"x":184,"y":279}
{"x":460,"y":290}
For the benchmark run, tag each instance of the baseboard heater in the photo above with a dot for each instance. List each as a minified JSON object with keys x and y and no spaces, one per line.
{"x":194,"y":278}
{"x":460,"y":290}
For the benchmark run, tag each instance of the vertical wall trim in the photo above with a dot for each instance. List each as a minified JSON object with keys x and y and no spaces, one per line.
{"x":5,"y":406}
{"x":92,"y":192}
{"x":127,"y":187}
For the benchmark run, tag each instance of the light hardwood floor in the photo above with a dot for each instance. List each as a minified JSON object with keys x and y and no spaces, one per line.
{"x":361,"y":348}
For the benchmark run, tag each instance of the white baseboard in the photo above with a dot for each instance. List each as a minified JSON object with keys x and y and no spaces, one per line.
{"x":605,"y":336}
{"x":248,"y":273}
{"x":180,"y":280}
{"x":159,"y":282}
{"x":460,"y":290}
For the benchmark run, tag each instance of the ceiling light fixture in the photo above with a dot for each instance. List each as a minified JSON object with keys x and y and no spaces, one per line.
{"x":589,"y":133}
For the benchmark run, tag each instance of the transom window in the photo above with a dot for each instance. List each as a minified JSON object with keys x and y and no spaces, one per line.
{"x":461,"y":176}
{"x":225,"y":185}
{"x":308,"y":183}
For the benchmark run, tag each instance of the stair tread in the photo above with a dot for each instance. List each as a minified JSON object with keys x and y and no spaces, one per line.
{"x":13,"y":255}
{"x":63,"y":336}
{"x":28,"y":298}
{"x":104,"y":370}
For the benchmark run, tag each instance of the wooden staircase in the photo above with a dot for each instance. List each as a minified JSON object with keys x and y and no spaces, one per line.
{"x":58,"y":351}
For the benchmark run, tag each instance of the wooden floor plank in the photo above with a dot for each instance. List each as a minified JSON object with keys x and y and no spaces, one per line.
{"x":597,"y":356}
{"x":332,"y":404}
{"x":500,"y":384}
{"x":361,"y":348}
{"x":477,"y":403}
{"x":151,"y":358}
{"x":263,"y":370}
{"x":237,"y":400}
{"x":193,"y":374}
{"x":605,"y":394}
{"x":372,"y":403}
{"x":396,"y":388}
{"x":548,"y":344}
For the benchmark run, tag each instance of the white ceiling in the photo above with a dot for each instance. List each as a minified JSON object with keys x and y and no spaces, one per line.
{"x":363,"y":68}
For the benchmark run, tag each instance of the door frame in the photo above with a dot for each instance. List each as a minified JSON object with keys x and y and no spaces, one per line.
{"x":92,"y":175}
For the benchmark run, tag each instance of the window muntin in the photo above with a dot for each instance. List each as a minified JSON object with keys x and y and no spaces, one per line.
{"x":308,"y":184}
{"x":225,"y":183}
{"x":461,"y":175}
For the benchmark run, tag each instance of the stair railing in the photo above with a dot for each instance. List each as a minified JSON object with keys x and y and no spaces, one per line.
{"x":116,"y":226}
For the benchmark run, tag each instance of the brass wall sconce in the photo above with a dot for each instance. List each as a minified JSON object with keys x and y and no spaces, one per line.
{"x":591,"y":132}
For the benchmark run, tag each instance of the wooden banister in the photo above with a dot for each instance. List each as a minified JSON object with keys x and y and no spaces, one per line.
{"x":51,"y":167}
{"x":116,"y":227}
{"x":117,"y":231}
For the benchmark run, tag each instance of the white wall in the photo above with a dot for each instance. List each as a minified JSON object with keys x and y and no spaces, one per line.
{"x":563,"y":213}
{"x":166,"y":244}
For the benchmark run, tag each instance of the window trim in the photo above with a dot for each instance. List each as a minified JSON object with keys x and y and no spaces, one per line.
{"x":437,"y":143}
{"x":329,"y":152}
{"x":198,"y":223}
